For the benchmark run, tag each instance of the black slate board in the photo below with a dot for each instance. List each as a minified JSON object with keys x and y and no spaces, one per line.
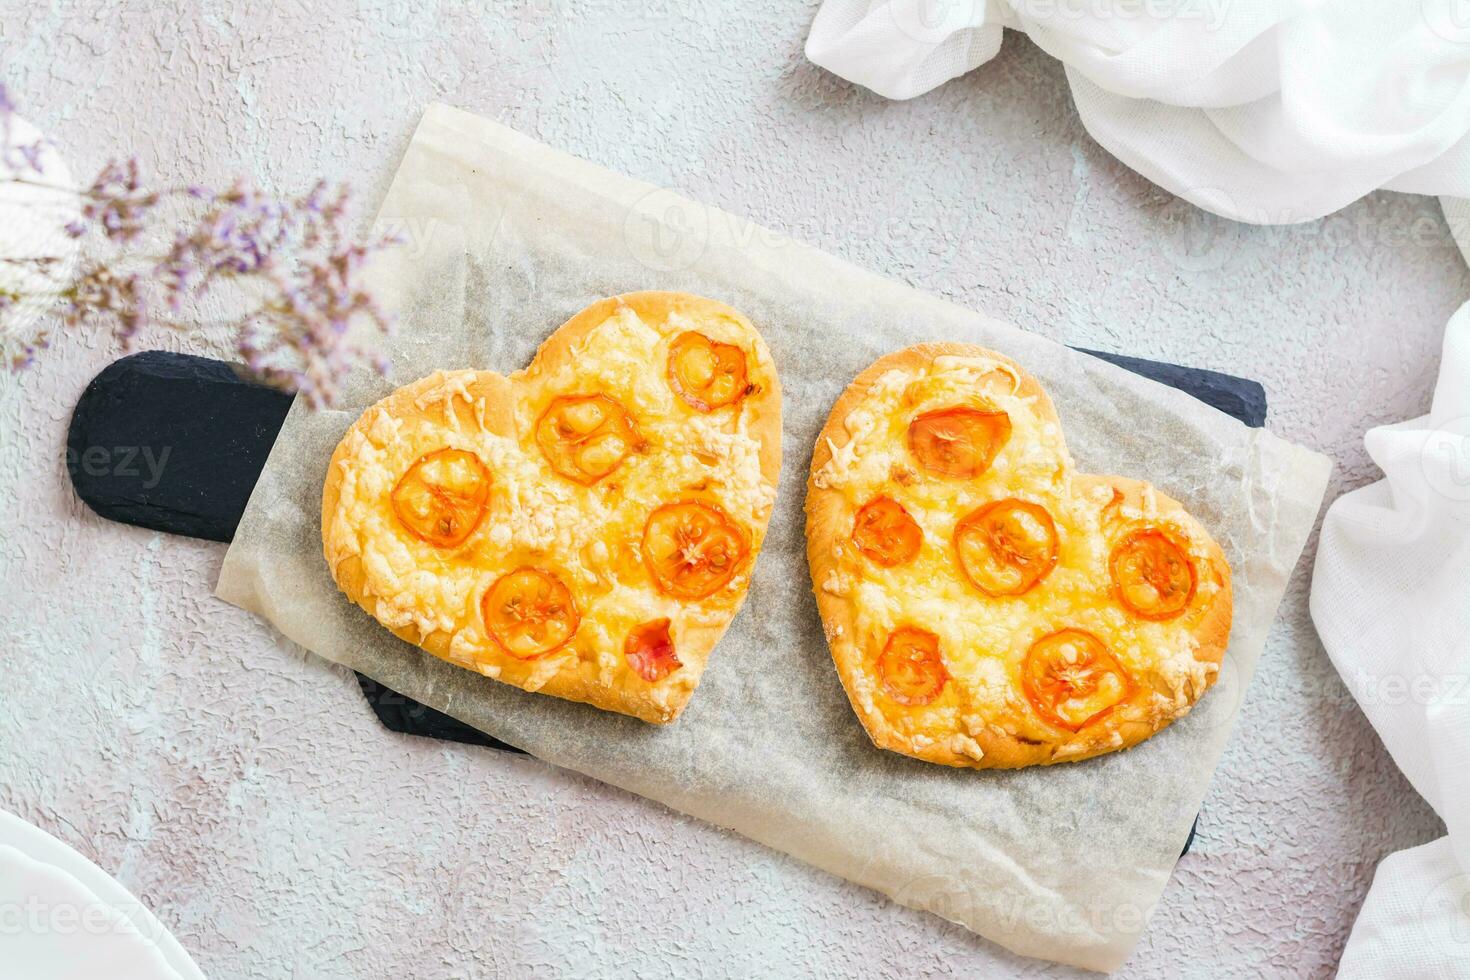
{"x":172,"y":442}
{"x":401,"y":713}
{"x":175,"y":443}
{"x":1237,"y":397}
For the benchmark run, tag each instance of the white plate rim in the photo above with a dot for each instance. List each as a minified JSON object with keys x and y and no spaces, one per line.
{"x":40,"y":846}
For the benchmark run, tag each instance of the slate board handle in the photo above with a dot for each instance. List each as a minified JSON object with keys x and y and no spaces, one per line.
{"x":172,"y":442}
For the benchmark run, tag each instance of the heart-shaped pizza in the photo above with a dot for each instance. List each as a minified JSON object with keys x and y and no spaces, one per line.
{"x":585,"y":527}
{"x":987,"y":605}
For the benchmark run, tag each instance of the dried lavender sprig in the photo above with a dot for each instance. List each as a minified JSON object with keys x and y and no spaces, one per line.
{"x":102,"y":293}
{"x":297,"y":248}
{"x":242,"y":232}
{"x":305,"y":342}
{"x":16,"y":157}
{"x":118,"y":203}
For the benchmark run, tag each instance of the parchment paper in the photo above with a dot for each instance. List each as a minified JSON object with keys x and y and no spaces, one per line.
{"x":506,"y":239}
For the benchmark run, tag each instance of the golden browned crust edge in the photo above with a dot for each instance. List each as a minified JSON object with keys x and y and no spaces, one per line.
{"x":825,"y":527}
{"x":764,"y":407}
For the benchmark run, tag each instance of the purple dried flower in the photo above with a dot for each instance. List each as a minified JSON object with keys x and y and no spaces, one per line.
{"x":237,"y":235}
{"x":19,"y":354}
{"x":102,"y":293}
{"x":243,"y":231}
{"x":324,"y":215}
{"x":117,"y":201}
{"x":18,"y":158}
{"x":26,"y":356}
{"x":30,"y":155}
{"x":296,"y":248}
{"x":39,"y":263}
{"x":301,"y":339}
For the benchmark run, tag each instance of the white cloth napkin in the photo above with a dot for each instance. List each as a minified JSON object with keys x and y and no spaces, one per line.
{"x":1391,"y":600}
{"x":1267,"y":111}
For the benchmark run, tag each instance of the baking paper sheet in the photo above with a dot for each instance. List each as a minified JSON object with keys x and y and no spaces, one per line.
{"x":506,"y":238}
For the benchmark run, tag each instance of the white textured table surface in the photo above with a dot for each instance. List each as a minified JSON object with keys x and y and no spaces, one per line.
{"x":243,"y":789}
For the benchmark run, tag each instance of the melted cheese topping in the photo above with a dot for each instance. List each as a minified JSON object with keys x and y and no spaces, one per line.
{"x":589,"y":535}
{"x":984,"y":640}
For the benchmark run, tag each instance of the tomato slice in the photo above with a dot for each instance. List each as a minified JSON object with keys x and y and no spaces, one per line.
{"x":910,"y":668}
{"x":585,"y":437}
{"x":442,"y":496}
{"x":960,"y":442}
{"x":1153,"y":576}
{"x":706,"y":373}
{"x":529,"y":612}
{"x":1072,"y":679}
{"x":886,"y":533}
{"x":1007,"y":546}
{"x":692,"y":549}
{"x":650,"y":650}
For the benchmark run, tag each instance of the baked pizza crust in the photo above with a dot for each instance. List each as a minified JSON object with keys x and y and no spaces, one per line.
{"x":486,"y":401}
{"x":991,"y":746}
